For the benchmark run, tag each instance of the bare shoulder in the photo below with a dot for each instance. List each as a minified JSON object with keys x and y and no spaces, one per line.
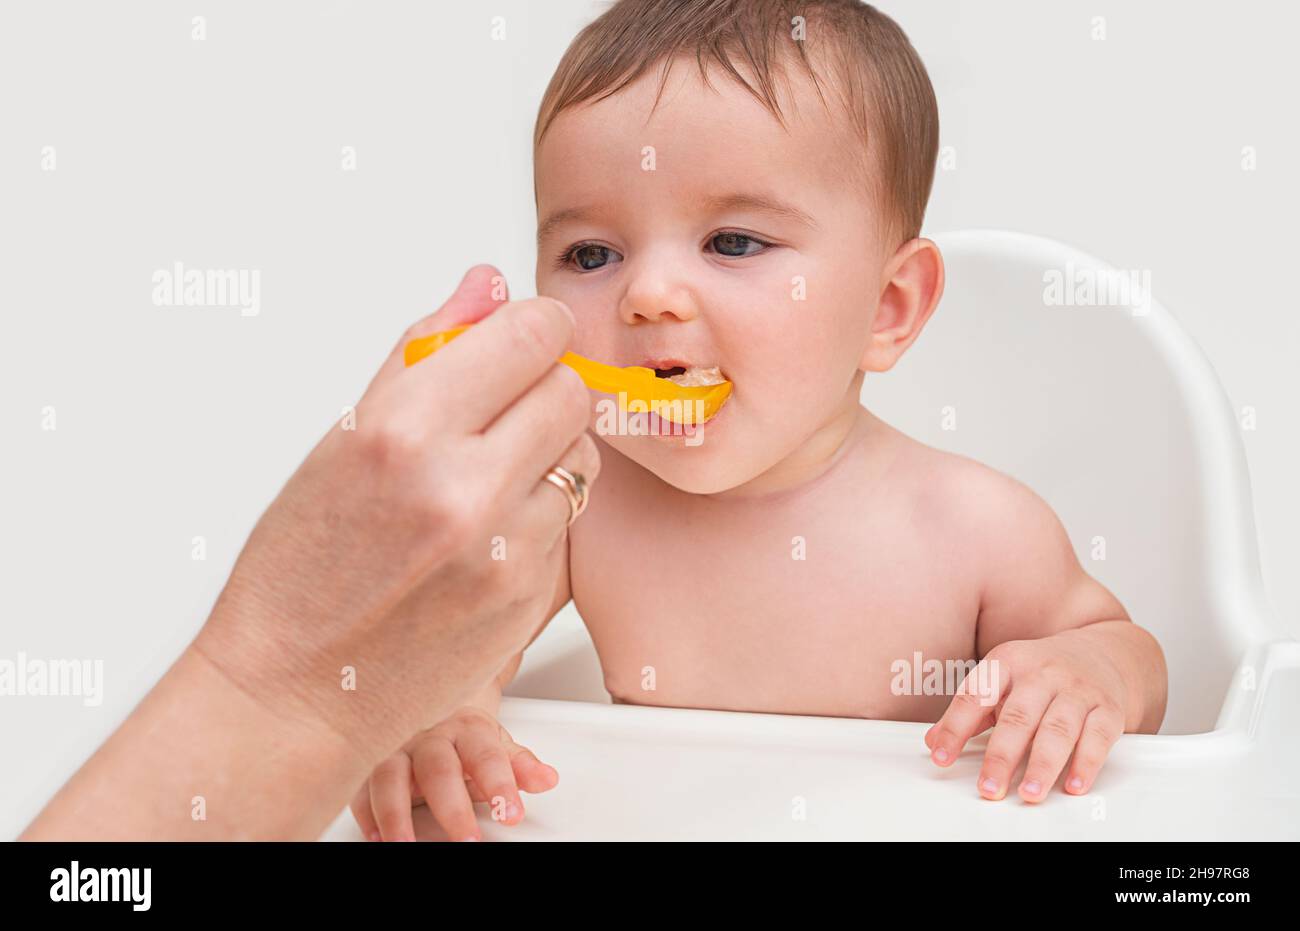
{"x":969,"y":499}
{"x":1009,"y":538}
{"x":1002,"y":531}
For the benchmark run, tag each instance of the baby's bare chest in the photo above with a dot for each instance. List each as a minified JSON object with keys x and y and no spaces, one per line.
{"x":811,"y":616}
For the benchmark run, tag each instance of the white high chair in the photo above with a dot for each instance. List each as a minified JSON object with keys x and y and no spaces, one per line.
{"x":1115,"y":417}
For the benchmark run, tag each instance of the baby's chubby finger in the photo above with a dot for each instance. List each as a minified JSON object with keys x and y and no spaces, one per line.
{"x":484,"y":760}
{"x":1101,"y":729}
{"x":1016,"y":726}
{"x":970,"y":712}
{"x":361,"y":810}
{"x":390,"y":798}
{"x":1055,"y":740}
{"x":441,"y":778}
{"x":531,"y":774}
{"x":966,"y":716}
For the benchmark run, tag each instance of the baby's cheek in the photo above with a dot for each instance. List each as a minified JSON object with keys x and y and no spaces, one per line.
{"x":593,"y":338}
{"x":811,"y":380}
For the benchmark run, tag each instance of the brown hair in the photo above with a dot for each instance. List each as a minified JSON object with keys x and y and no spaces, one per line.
{"x":871,"y":57}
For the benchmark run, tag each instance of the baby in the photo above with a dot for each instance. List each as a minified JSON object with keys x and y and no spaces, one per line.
{"x":740,"y":184}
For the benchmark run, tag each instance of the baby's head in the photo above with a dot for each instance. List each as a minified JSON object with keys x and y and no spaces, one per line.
{"x":740,"y":184}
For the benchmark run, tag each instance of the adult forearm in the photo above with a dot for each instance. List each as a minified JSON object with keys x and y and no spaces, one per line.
{"x":201,"y":760}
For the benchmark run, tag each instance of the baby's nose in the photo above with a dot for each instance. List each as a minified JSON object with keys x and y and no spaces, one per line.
{"x":654,"y":302}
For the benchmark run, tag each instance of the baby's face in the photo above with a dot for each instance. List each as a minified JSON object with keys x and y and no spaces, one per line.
{"x":708,"y":235}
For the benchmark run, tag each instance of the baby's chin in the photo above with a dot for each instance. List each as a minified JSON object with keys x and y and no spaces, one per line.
{"x":689,"y":464}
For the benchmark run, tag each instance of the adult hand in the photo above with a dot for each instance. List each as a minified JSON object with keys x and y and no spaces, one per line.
{"x":413,"y":555}
{"x":403,"y":564}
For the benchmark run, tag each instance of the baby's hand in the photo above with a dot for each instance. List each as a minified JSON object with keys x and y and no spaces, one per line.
{"x":1053,"y":697}
{"x":467,"y":758}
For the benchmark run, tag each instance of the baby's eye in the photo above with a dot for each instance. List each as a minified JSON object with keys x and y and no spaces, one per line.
{"x":590,"y":256}
{"x":737,"y":245}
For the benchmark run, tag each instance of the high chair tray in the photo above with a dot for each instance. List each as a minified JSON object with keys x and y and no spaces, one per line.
{"x":642,"y":773}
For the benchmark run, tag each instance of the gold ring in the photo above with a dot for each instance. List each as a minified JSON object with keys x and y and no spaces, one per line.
{"x":574,"y":488}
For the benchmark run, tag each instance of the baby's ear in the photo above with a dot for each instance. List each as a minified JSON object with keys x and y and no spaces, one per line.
{"x":913,"y":284}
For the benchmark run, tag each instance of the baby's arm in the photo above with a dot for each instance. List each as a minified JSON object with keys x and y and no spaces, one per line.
{"x":1063,"y":669}
{"x":467,"y":758}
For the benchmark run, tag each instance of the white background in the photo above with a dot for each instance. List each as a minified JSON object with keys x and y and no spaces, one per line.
{"x":174,"y":423}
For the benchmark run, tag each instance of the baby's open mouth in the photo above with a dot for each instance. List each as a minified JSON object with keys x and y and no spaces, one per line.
{"x":691,"y":376}
{"x":696,"y":395}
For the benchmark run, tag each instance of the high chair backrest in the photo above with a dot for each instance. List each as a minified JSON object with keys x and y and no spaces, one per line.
{"x":1063,"y":372}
